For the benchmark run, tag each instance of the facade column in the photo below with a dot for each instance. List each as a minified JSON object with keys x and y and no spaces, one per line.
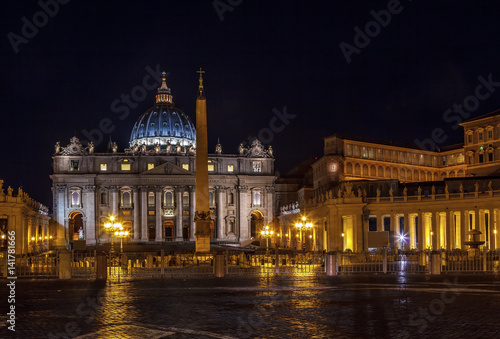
{"x":159,"y":226}
{"x":89,"y":201}
{"x":113,"y":190}
{"x":144,"y":213}
{"x":448,"y":231}
{"x":421,"y":231}
{"x":244,"y":227}
{"x":434,"y":231}
{"x":406,"y":230}
{"x":178,"y":213}
{"x":62,"y":233}
{"x":192,"y":203}
{"x":476,"y":220}
{"x":365,"y":233}
{"x":135,"y":192}
{"x":358,"y":232}
{"x":220,"y":190}
{"x":464,"y":219}
{"x":380,"y":223}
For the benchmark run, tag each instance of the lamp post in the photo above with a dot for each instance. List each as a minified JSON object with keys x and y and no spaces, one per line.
{"x":121,"y":235}
{"x":113,"y":227}
{"x":303,"y":225}
{"x":266,"y":233}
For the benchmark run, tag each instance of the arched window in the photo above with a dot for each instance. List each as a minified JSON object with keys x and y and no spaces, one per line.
{"x":230,"y":198}
{"x":75,"y":198}
{"x":256,"y":198}
{"x":185,"y":199}
{"x":104,"y":198}
{"x":126,"y":201}
{"x":151,"y":199}
{"x":169,"y":201}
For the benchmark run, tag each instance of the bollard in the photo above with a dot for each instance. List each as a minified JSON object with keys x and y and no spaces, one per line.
{"x":219,"y":268}
{"x":149,"y":261}
{"x":65,"y":265}
{"x":101,"y":266}
{"x":435,"y":263}
{"x":330,"y":264}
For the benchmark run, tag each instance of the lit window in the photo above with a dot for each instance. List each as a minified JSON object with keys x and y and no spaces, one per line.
{"x":256,"y":198}
{"x":230,"y":168}
{"x":151,"y":212}
{"x":185,"y":166}
{"x":151,"y":166}
{"x":104,"y":167}
{"x":74,"y":165}
{"x":211,"y":167}
{"x":75,"y":198}
{"x":125,"y":167}
{"x":257,"y":166}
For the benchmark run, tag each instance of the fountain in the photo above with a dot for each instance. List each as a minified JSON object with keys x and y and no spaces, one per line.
{"x":474,"y":242}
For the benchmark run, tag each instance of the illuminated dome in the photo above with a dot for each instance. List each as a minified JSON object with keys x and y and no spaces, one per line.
{"x":163,"y":124}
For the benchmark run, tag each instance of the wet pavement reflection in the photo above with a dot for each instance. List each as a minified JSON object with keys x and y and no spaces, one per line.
{"x":284,"y":306}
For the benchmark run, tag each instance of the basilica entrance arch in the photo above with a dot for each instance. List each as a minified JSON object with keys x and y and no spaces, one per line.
{"x":75,"y":223}
{"x":256,"y":223}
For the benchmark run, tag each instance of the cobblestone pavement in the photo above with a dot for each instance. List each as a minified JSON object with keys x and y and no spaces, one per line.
{"x":376,"y":306}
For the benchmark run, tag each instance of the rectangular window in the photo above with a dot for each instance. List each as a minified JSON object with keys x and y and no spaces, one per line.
{"x":490,"y":134}
{"x":481,"y":157}
{"x":74,"y":165}
{"x":151,"y":166}
{"x":469,"y":139}
{"x":125,"y":167}
{"x":387,"y":224}
{"x":372,"y":224}
{"x":490,"y":156}
{"x":348,"y":150}
{"x":185,"y":166}
{"x":151,"y":212}
{"x":104,"y":167}
{"x":211,"y":167}
{"x":480,"y":135}
{"x":230,"y":168}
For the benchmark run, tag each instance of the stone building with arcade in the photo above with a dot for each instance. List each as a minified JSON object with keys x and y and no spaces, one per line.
{"x":149,"y":186}
{"x":28,"y":218}
{"x":366,"y":194}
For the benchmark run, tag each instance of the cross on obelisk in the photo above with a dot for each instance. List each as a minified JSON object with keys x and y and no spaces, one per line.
{"x":202,"y":217}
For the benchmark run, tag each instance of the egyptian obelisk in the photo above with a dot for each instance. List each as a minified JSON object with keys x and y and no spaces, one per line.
{"x":202,"y":214}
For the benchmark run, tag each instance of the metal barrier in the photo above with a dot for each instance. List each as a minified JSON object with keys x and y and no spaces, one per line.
{"x":83,"y":264}
{"x":40,"y":266}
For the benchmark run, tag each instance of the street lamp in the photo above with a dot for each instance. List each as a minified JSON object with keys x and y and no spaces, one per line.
{"x":121,"y":235}
{"x":266,"y":233}
{"x":303,"y":225}
{"x":113,"y":227}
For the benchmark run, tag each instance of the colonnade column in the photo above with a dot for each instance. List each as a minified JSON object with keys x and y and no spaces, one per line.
{"x":448,"y":228}
{"x":406,"y":230}
{"x":144,"y":213}
{"x":192,"y":203}
{"x":159,"y":226}
{"x":421,"y":231}
{"x":220,"y":190}
{"x":434,"y":231}
{"x":135,"y":192}
{"x":178,"y":213}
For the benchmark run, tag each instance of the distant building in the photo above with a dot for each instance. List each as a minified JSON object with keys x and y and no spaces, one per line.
{"x":27,"y":218}
{"x":366,"y":194}
{"x":149,"y":186}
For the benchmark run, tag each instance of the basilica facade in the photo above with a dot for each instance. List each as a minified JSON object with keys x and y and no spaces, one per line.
{"x":150,"y":185}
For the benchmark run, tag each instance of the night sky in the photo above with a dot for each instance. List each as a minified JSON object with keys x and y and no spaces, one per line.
{"x":259,"y":56}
